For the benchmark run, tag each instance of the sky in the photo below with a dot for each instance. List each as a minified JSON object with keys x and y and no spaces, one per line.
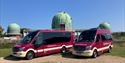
{"x":38,"y":14}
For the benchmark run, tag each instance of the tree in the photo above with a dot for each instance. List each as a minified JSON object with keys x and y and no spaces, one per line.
{"x":4,"y":34}
{"x":118,"y":34}
{"x":122,"y":33}
{"x":22,"y":29}
{"x":1,"y":31}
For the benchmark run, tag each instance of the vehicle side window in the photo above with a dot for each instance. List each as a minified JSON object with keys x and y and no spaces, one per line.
{"x":98,"y":38}
{"x":103,"y":37}
{"x":106,"y":37}
{"x":38,"y":40}
{"x":109,"y":37}
{"x":56,"y":37}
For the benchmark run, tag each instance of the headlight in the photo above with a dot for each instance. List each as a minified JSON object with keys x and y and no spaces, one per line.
{"x":21,"y":49}
{"x":88,"y":47}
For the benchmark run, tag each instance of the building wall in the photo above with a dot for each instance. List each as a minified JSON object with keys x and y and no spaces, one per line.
{"x":17,"y":36}
{"x":62,"y":18}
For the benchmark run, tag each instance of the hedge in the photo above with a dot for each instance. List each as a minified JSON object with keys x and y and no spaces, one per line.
{"x":8,"y":44}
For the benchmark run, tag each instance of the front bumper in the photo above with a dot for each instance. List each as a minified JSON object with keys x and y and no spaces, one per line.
{"x":19,"y":54}
{"x":83,"y":53}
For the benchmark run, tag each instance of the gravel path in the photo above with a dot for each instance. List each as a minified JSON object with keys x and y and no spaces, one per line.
{"x":68,"y":59}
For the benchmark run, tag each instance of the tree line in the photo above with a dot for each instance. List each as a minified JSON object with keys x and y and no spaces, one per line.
{"x":118,"y":34}
{"x":1,"y":32}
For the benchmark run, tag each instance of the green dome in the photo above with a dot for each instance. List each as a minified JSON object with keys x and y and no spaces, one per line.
{"x":105,"y":25}
{"x":13,"y":29}
{"x":62,"y":18}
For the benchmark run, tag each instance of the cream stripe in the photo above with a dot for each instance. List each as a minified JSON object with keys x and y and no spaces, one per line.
{"x":47,"y":49}
{"x":68,"y":46}
{"x":52,"y":48}
{"x":40,"y":50}
{"x":103,"y":48}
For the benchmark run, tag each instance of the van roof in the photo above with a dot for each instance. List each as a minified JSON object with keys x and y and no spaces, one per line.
{"x":98,"y":30}
{"x":54,"y":30}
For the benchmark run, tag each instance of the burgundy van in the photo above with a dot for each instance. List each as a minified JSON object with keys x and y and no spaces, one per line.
{"x":93,"y":42}
{"x":43,"y":42}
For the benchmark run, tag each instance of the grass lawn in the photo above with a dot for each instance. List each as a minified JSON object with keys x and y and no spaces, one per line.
{"x":118,"y":50}
{"x":5,"y":52}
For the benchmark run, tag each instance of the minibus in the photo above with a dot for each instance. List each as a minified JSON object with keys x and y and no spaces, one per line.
{"x":43,"y":42}
{"x":93,"y":42}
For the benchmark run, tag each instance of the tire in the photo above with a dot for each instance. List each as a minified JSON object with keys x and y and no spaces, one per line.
{"x":64,"y":50}
{"x":109,"y":50}
{"x":30,"y":55}
{"x":95,"y":54}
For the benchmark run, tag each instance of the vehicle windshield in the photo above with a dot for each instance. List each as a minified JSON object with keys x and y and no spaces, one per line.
{"x":29,"y":37}
{"x":87,"y":36}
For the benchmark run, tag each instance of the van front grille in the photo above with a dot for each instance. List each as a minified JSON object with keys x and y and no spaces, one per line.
{"x":15,"y":49}
{"x":79,"y":48}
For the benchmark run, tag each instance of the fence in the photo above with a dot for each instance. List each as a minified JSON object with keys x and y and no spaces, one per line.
{"x":2,"y":40}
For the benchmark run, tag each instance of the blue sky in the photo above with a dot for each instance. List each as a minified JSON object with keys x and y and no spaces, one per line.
{"x":38,"y":14}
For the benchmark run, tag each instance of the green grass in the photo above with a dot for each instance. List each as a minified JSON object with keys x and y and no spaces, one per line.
{"x":5,"y":52}
{"x":118,"y":50}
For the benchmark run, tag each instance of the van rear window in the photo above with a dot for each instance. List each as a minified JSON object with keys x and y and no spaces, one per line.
{"x":87,"y":36}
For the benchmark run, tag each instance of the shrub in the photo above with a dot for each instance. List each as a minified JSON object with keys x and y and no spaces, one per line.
{"x":6,"y":45}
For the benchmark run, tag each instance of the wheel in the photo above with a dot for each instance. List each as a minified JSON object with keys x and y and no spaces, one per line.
{"x":95,"y":54}
{"x":64,"y":50}
{"x":109,"y":50}
{"x":30,"y":55}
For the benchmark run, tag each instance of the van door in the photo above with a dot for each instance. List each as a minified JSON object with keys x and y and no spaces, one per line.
{"x":38,"y":45}
{"x":106,"y":41}
{"x":99,"y":44}
{"x":50,"y":39}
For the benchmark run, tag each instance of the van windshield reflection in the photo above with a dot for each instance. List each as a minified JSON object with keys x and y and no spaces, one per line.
{"x":87,"y":36}
{"x":29,"y":37}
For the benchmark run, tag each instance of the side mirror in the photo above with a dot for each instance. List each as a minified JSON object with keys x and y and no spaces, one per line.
{"x":97,"y":40}
{"x":75,"y":40}
{"x":110,"y":39}
{"x":34,"y":42}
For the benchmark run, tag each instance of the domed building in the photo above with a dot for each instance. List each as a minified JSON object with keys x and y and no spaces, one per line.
{"x":13,"y":30}
{"x":105,"y":25}
{"x":62,"y":21}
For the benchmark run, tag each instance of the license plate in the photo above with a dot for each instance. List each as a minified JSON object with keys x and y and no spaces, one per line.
{"x":79,"y":52}
{"x":14,"y":53}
